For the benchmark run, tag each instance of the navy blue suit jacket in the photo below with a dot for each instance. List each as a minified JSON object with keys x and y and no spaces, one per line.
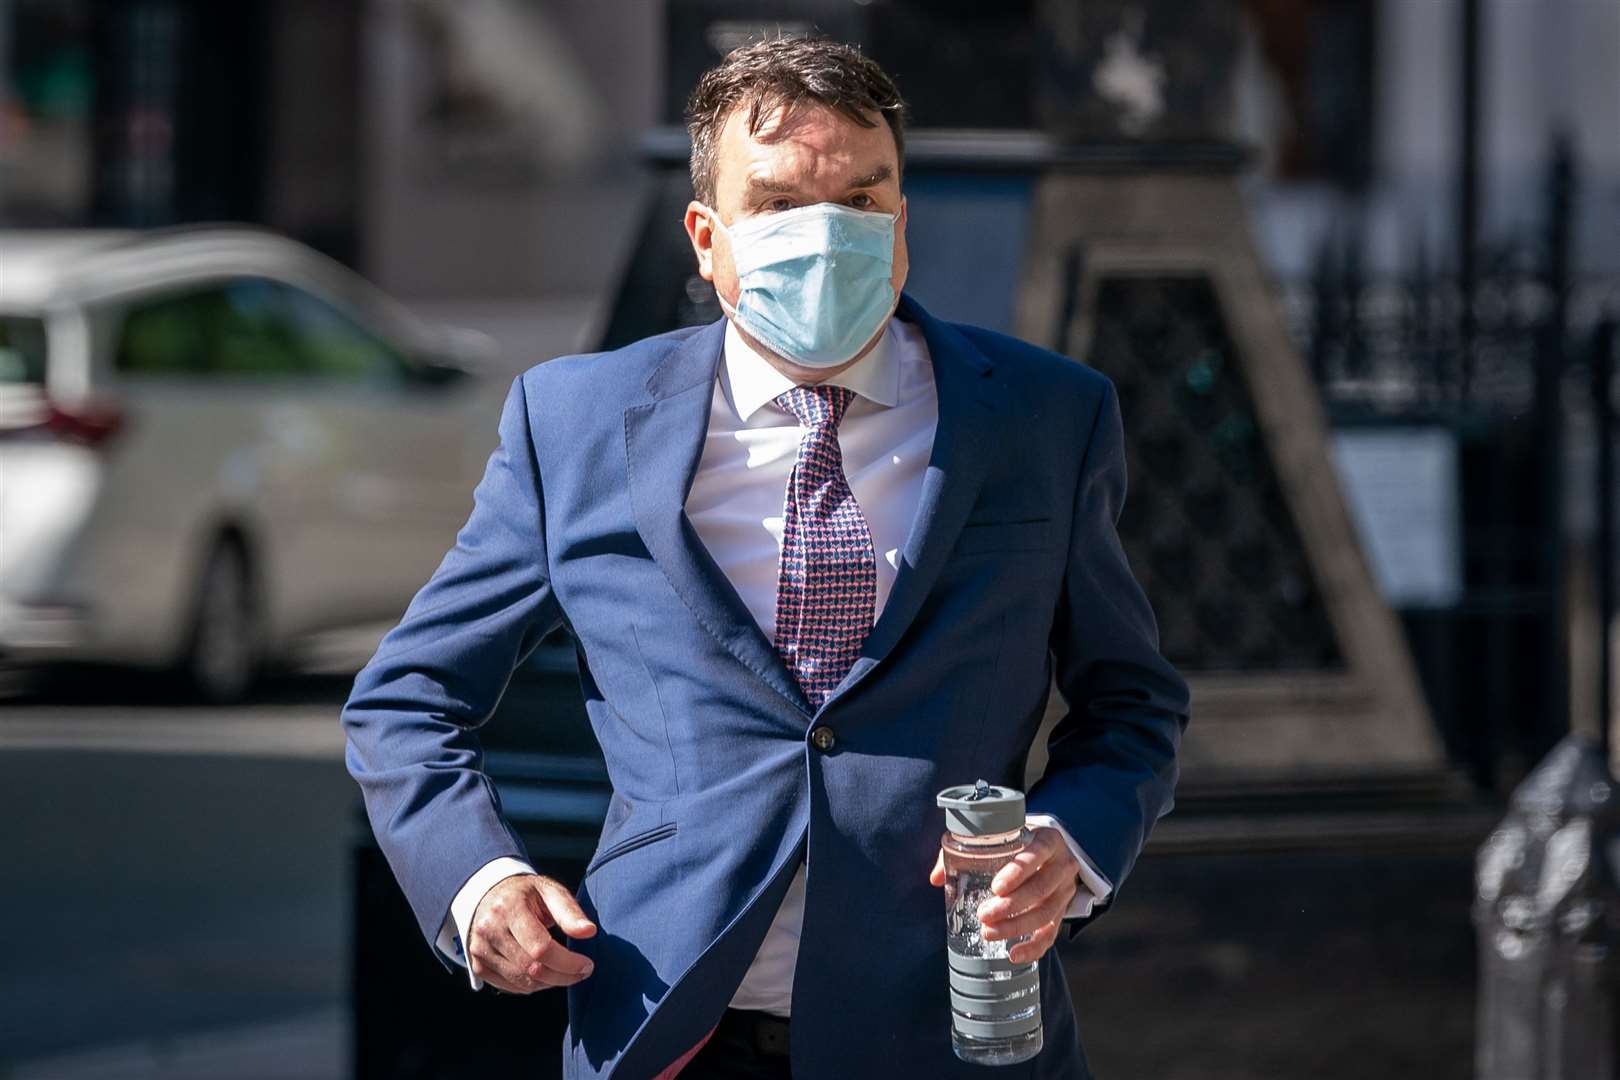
{"x":1012,"y":571}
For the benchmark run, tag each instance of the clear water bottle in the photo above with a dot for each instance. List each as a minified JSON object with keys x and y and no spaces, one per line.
{"x":995,"y":1003}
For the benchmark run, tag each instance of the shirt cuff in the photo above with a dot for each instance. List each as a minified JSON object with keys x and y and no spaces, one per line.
{"x":1097,"y":888}
{"x":462,"y":909}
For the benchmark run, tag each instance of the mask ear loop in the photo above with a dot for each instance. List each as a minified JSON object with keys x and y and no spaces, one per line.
{"x":714,"y":219}
{"x":715,"y":224}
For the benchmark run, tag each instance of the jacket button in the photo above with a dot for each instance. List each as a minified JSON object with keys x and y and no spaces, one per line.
{"x":822,"y":738}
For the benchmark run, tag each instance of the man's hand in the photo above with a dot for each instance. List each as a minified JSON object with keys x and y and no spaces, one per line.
{"x":512,"y":947}
{"x":1031,"y":894}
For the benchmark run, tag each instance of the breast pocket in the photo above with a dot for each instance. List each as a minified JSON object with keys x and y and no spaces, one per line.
{"x":1026,"y":534}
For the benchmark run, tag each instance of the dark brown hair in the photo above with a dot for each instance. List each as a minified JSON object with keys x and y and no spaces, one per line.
{"x":787,"y":71}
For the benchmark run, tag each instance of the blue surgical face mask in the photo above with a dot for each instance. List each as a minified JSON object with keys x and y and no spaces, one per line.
{"x":815,"y":281}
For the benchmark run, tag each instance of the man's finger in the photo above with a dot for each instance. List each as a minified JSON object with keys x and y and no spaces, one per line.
{"x":565,"y":910}
{"x":502,"y":959}
{"x":1049,"y":909}
{"x":534,"y":941}
{"x":525,"y":984}
{"x":541,"y":977}
{"x":551,"y":961}
{"x":515,"y":972}
{"x":1053,"y":877}
{"x":1045,"y":844}
{"x":936,"y":876}
{"x":1035,"y":947}
{"x":493,"y":978}
{"x":561,"y":961}
{"x":523,"y":941}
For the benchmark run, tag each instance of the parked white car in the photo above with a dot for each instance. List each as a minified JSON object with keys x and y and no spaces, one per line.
{"x":214,"y":441}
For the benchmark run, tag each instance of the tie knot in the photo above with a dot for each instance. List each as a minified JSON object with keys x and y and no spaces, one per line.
{"x":818,"y":406}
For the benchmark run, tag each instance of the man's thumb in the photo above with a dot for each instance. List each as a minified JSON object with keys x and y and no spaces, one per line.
{"x":565,"y":909}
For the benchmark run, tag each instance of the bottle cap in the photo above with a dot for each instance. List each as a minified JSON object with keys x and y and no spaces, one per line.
{"x":982,"y":809}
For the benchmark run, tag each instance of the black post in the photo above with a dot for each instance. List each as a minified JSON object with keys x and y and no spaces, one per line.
{"x":181,"y":94}
{"x":1468,"y":196}
{"x":1325,"y":293}
{"x":1551,"y":365}
{"x":1603,"y":403}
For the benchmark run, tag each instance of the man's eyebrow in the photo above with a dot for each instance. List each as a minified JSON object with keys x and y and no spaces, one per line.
{"x":758,"y":184}
{"x":873,"y":178}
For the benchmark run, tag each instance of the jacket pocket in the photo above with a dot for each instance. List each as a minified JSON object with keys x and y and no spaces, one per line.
{"x":628,"y":844}
{"x":1027,"y":535}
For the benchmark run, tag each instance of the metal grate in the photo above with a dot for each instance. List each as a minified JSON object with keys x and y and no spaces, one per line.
{"x":1206,"y":526}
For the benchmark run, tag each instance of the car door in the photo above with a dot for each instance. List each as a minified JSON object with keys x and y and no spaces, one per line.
{"x":215,"y":435}
{"x":399,"y":475}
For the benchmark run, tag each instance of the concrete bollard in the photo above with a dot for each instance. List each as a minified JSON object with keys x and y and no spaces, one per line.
{"x":1547,"y":916}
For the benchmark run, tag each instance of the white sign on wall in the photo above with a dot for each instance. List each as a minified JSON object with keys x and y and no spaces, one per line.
{"x":1401,"y":487}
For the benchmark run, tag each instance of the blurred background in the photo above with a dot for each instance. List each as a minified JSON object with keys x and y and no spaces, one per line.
{"x":267,"y":268}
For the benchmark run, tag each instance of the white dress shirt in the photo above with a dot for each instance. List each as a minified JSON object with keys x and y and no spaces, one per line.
{"x":735,"y":506}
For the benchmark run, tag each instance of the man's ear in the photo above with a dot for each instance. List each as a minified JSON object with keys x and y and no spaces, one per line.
{"x":700,"y":230}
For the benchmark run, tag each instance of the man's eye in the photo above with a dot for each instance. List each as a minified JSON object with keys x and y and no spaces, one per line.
{"x":862,"y":201}
{"x":779,"y":204}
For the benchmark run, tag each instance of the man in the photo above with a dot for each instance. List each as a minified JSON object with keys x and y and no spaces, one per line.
{"x":822,"y":559}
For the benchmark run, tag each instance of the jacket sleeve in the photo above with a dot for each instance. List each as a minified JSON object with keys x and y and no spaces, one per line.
{"x":412,"y":716}
{"x":1111,"y":769}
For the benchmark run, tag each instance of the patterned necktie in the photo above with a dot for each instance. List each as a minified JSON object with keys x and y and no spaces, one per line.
{"x":826,"y":584}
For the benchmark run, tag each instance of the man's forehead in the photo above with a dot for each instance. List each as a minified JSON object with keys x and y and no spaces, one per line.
{"x":806,"y":130}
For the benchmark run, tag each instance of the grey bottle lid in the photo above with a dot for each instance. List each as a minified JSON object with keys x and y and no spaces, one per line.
{"x":981,"y":809}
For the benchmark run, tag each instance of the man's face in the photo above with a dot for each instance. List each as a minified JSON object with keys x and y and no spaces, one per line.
{"x":809,"y":155}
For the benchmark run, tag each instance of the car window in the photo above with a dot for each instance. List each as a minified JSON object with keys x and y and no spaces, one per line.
{"x":22,"y":350}
{"x":163,"y":337}
{"x":253,"y":334}
{"x":238,"y":328}
{"x":334,"y":345}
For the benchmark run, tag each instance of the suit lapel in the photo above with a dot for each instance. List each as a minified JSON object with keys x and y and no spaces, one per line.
{"x":663,"y":442}
{"x":963,"y":443}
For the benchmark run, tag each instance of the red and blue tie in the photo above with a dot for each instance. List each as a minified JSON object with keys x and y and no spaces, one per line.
{"x":826,"y":585}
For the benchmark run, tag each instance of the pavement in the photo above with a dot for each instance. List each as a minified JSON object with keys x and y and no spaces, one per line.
{"x":179,"y":895}
{"x":314,"y":1046}
{"x":176,"y":876}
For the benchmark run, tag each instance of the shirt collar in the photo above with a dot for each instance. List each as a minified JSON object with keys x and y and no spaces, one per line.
{"x":753,"y":382}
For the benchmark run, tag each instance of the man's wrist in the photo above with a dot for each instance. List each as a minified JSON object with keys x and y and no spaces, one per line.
{"x":465,"y":906}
